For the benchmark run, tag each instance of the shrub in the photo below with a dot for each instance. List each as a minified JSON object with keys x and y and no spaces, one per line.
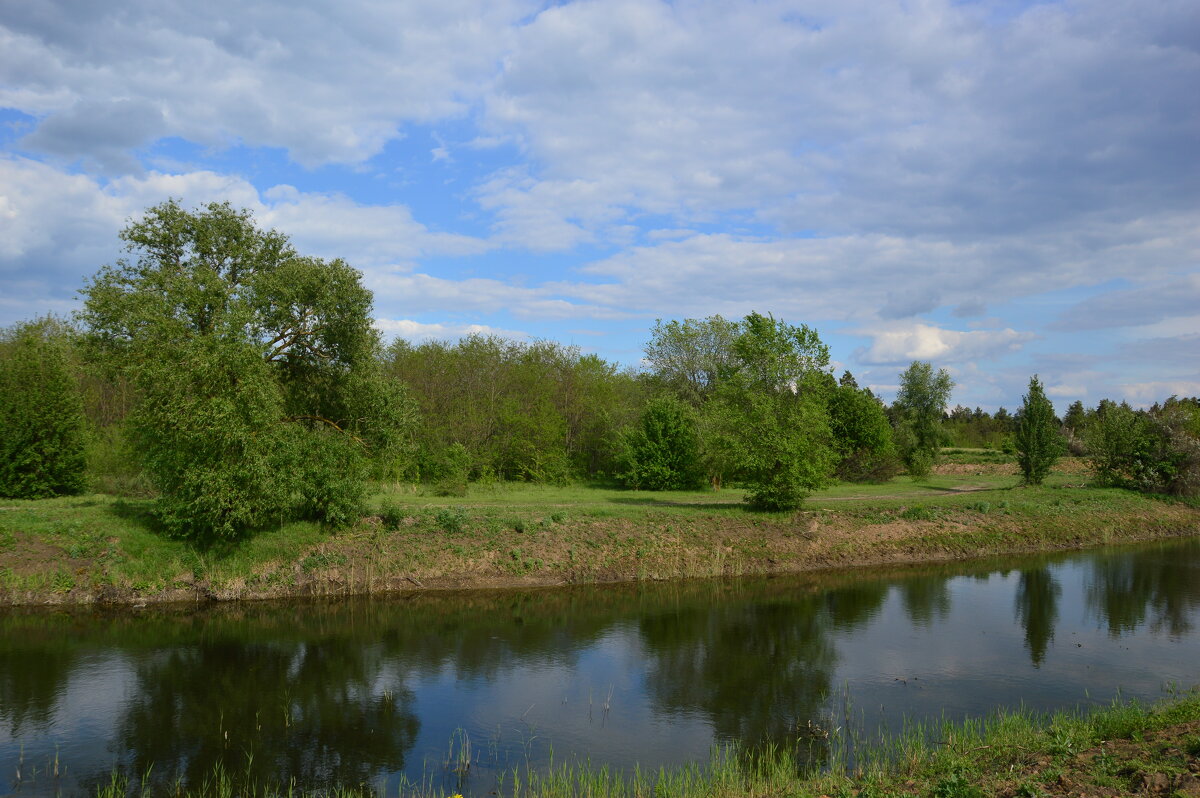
{"x":862,"y":436}
{"x":451,"y":520}
{"x":332,"y":474}
{"x":1143,"y":451}
{"x":42,"y":445}
{"x":392,"y":517}
{"x":453,"y":470}
{"x":663,"y":451}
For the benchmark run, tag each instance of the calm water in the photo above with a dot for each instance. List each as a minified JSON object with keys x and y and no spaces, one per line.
{"x":374,"y":690}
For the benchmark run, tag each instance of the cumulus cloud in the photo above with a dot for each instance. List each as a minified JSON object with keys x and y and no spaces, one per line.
{"x":935,"y":118}
{"x":330,"y":83}
{"x":903,"y":343}
{"x":831,"y":162}
{"x":57,"y":228}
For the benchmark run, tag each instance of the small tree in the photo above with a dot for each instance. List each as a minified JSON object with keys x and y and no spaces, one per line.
{"x":861,"y":434}
{"x":42,"y":447}
{"x":663,"y":451}
{"x":771,"y":415}
{"x":920,"y":405}
{"x":1038,"y":441}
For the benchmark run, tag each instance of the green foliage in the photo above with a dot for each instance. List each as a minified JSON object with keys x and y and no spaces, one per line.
{"x":332,"y":473}
{"x":976,"y":429}
{"x":920,"y":513}
{"x":862,"y":434}
{"x":451,"y":520}
{"x":42,"y":442}
{"x":392,"y":517}
{"x":209,"y":437}
{"x":1153,"y":452}
{"x":1037,"y":441}
{"x":920,"y":405}
{"x":769,"y":414}
{"x":691,"y":357}
{"x":957,"y":785}
{"x":1121,"y":442}
{"x":663,"y":451}
{"x":259,"y":396}
{"x":539,"y":411}
{"x":451,"y":471}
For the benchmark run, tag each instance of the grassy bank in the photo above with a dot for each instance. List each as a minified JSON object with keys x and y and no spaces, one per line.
{"x":1126,"y":749}
{"x":97,"y":548}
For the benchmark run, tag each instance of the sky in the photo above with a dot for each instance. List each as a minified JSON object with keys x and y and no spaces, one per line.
{"x":1001,"y":188}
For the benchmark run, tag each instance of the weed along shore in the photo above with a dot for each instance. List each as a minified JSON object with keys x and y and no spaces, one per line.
{"x":100,"y":549}
{"x":1123,"y":750}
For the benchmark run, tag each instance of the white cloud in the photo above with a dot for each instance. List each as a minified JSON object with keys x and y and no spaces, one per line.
{"x":1143,"y":394}
{"x":57,"y":228}
{"x":1067,"y":390}
{"x":932,"y":118}
{"x":903,"y":343}
{"x":850,"y":277}
{"x":419,"y":331}
{"x":327,"y":82}
{"x":421,"y":293}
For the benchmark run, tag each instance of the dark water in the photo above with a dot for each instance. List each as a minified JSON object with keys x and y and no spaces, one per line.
{"x":370,"y":691}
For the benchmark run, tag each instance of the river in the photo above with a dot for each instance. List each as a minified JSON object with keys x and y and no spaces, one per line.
{"x":411,"y":686}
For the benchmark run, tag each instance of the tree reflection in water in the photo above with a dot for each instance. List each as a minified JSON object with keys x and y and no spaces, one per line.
{"x":1125,"y":590}
{"x":759,"y":670}
{"x":319,"y":712}
{"x":1037,"y":610}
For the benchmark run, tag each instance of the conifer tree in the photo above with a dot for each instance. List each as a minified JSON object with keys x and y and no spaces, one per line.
{"x":1038,"y":441}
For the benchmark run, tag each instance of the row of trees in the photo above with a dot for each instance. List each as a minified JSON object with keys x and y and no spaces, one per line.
{"x":243,"y":384}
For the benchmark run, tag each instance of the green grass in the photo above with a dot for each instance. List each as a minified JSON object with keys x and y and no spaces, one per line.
{"x":962,"y":454}
{"x":76,"y":547}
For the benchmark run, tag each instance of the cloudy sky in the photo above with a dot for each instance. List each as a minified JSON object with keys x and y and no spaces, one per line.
{"x":998,"y":187}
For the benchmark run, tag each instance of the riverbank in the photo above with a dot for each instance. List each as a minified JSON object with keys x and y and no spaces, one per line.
{"x":99,"y":549}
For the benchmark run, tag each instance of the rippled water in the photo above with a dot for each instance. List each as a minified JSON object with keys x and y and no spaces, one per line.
{"x":373,"y":690}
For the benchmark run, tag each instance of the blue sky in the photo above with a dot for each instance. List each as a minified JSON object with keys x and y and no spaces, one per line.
{"x":1000,"y":188}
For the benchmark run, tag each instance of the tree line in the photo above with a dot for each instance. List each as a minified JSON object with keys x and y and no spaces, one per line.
{"x":241,"y":384}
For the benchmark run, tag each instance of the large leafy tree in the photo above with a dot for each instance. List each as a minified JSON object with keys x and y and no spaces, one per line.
{"x":42,"y":450}
{"x":1038,"y":441}
{"x":920,"y":405}
{"x":257,"y":370}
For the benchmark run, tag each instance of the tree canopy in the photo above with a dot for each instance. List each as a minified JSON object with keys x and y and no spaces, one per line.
{"x":762,"y":387}
{"x":920,"y":404}
{"x":260,"y":395}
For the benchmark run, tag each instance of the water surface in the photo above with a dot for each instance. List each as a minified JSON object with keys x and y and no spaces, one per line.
{"x":376,"y":690}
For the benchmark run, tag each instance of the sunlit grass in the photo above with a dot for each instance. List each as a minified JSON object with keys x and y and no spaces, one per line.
{"x":56,"y":548}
